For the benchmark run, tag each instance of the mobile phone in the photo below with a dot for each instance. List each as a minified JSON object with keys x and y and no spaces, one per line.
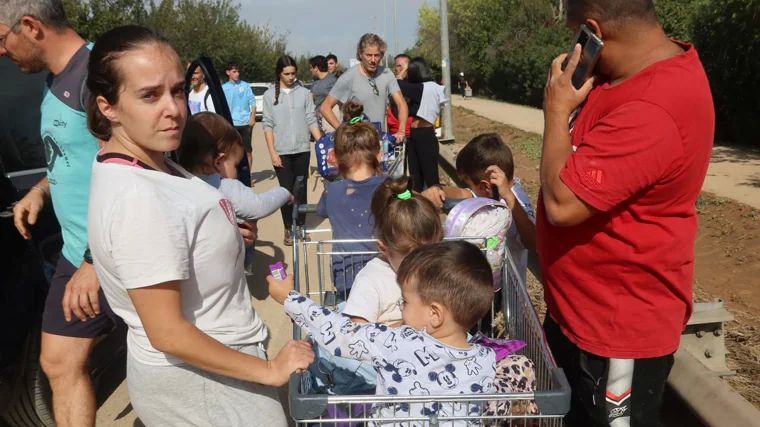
{"x":495,"y":193}
{"x":591,"y":48}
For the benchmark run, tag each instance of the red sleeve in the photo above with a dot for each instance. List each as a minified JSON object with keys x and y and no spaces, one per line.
{"x":628,"y":150}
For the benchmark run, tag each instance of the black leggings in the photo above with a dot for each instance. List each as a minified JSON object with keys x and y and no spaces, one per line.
{"x":422,"y":150}
{"x":293,"y":165}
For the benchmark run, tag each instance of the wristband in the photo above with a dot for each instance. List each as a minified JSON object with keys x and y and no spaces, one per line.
{"x":87,"y":256}
{"x":41,"y":189}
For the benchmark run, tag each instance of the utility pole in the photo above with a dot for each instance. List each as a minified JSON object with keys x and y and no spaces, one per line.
{"x":448,"y":134}
{"x":395,"y":34}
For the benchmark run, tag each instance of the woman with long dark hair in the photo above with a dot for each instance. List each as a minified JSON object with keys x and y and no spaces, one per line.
{"x":168,"y":253}
{"x":289,"y":118}
{"x":425,"y":99}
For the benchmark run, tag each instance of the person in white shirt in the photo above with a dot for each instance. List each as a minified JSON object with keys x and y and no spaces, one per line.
{"x":446,"y":289}
{"x":162,"y":241}
{"x":199,"y":98}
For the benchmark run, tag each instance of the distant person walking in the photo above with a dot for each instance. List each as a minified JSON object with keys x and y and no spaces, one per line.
{"x":425,"y":98}
{"x":199,"y":98}
{"x":462,"y":83}
{"x":289,"y":118}
{"x":242,"y":105}
{"x":333,"y":67}
{"x":323,"y":83}
{"x":370,"y":84}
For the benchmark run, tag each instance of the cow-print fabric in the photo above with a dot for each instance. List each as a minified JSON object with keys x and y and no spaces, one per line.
{"x":514,"y":374}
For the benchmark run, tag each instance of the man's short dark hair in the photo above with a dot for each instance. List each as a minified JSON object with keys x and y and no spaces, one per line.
{"x":320,"y":62}
{"x":402,"y":55}
{"x":611,"y":10}
{"x":454,"y":274}
{"x":232,"y":66}
{"x":484,"y":150}
{"x":331,"y":56}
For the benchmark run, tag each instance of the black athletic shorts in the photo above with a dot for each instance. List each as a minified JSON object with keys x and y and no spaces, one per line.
{"x":608,"y":392}
{"x":53,"y":321}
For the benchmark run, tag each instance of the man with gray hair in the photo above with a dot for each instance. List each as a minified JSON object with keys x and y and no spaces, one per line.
{"x":35,"y":35}
{"x":370,"y":84}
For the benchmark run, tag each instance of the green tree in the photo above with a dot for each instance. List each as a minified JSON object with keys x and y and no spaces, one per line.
{"x":677,"y":16}
{"x":194,"y":27}
{"x":727,"y":36}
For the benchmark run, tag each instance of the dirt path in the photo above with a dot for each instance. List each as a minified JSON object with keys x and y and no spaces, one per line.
{"x":733,"y":173}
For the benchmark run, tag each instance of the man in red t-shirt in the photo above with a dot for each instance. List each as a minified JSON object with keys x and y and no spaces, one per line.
{"x":616,"y":215}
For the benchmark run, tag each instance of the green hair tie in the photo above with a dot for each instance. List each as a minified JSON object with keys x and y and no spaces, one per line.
{"x":492,"y":242}
{"x":406,"y":195}
{"x":355,"y":120}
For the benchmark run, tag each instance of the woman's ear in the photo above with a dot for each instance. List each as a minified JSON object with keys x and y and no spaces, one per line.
{"x":106,"y":109}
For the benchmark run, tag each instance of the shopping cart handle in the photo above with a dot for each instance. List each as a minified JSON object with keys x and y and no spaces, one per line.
{"x":307,"y":209}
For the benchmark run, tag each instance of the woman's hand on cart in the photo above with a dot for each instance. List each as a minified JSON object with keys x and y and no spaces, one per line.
{"x":279,"y":289}
{"x":294,"y":357}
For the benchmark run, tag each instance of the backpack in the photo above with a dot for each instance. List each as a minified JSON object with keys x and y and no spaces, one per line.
{"x":483,"y":218}
{"x":327,"y":165}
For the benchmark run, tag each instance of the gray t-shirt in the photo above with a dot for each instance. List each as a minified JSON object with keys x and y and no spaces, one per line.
{"x":354,"y":85}
{"x":321,"y":88}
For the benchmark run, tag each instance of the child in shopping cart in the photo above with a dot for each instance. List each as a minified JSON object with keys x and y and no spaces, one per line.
{"x":403,"y":222}
{"x":486,"y":166}
{"x":347,"y":202}
{"x":446,"y":288}
{"x":211,"y":149}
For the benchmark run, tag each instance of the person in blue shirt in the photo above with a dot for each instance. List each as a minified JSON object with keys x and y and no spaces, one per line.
{"x":242,"y":105}
{"x":37,"y":37}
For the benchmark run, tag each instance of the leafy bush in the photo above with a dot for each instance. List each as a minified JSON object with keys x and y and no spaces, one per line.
{"x":727,"y":36}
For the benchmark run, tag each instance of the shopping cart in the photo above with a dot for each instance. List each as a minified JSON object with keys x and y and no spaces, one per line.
{"x":312,"y":258}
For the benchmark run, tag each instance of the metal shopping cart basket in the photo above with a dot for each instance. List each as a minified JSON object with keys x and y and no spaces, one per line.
{"x":313,"y":277}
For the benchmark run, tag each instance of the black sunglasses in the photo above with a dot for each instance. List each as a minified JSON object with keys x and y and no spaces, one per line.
{"x":374,"y":86}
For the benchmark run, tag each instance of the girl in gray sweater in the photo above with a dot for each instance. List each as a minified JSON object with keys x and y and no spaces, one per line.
{"x":288,"y":121}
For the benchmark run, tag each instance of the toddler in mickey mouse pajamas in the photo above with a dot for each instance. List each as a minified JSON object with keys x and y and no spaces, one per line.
{"x":446,"y":287}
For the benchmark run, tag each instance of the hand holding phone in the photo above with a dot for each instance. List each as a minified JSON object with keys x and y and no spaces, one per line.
{"x":591,"y":48}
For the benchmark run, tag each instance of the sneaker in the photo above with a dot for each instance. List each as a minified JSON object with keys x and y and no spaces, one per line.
{"x":288,"y":240}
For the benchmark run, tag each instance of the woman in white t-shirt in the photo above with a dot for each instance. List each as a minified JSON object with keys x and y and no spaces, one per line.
{"x":168,"y":252}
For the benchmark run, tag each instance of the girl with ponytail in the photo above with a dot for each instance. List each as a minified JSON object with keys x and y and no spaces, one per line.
{"x":288,"y":122}
{"x":403,"y":222}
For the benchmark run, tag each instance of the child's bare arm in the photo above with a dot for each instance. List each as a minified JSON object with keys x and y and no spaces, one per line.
{"x":525,"y":226}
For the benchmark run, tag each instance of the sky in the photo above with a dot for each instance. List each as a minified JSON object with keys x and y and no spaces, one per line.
{"x":317,"y":27}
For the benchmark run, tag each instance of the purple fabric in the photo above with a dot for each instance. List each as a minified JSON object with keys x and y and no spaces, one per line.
{"x":338,"y":411}
{"x":502,"y":348}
